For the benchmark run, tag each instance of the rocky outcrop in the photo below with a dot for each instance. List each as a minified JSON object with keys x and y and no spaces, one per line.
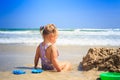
{"x":104,"y":59}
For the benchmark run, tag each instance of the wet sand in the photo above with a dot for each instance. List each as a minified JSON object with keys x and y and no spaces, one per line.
{"x":21,"y":56}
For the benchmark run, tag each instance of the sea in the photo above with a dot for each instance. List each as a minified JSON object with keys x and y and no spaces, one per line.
{"x":102,"y":37}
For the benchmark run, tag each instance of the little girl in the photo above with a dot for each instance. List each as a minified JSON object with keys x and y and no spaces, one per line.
{"x":48,"y":52}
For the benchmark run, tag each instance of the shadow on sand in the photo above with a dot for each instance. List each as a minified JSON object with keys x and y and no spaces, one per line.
{"x":81,"y":69}
{"x":24,"y":67}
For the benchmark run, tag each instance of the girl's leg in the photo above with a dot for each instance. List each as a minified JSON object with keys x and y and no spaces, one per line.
{"x":66,"y":66}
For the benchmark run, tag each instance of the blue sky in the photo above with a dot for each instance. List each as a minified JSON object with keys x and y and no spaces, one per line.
{"x":63,"y":13}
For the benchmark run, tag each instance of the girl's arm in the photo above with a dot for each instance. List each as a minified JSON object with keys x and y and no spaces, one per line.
{"x":54,"y":55}
{"x":37,"y":56}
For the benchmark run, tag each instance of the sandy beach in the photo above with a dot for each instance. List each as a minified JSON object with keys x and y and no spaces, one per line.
{"x":21,"y":56}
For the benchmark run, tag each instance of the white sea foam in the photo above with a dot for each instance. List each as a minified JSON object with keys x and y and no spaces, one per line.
{"x":66,"y":37}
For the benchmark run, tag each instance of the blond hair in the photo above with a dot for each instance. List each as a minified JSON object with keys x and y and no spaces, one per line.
{"x":47,"y":29}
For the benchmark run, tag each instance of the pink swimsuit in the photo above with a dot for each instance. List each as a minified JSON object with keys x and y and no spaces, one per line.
{"x":46,"y":63}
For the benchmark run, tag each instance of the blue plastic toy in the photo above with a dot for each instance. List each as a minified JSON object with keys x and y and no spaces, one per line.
{"x":18,"y":72}
{"x":37,"y":71}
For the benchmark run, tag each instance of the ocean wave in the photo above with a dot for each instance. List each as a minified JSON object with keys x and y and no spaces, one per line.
{"x":82,"y":42}
{"x":91,"y":32}
{"x":19,"y":32}
{"x":66,"y":37}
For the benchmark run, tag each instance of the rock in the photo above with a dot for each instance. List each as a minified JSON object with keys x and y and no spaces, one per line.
{"x":104,"y":59}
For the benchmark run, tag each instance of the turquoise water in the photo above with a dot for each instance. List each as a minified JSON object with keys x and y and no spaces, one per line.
{"x":66,"y":36}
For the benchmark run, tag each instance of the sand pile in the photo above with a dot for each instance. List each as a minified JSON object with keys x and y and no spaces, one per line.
{"x":103,"y":59}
